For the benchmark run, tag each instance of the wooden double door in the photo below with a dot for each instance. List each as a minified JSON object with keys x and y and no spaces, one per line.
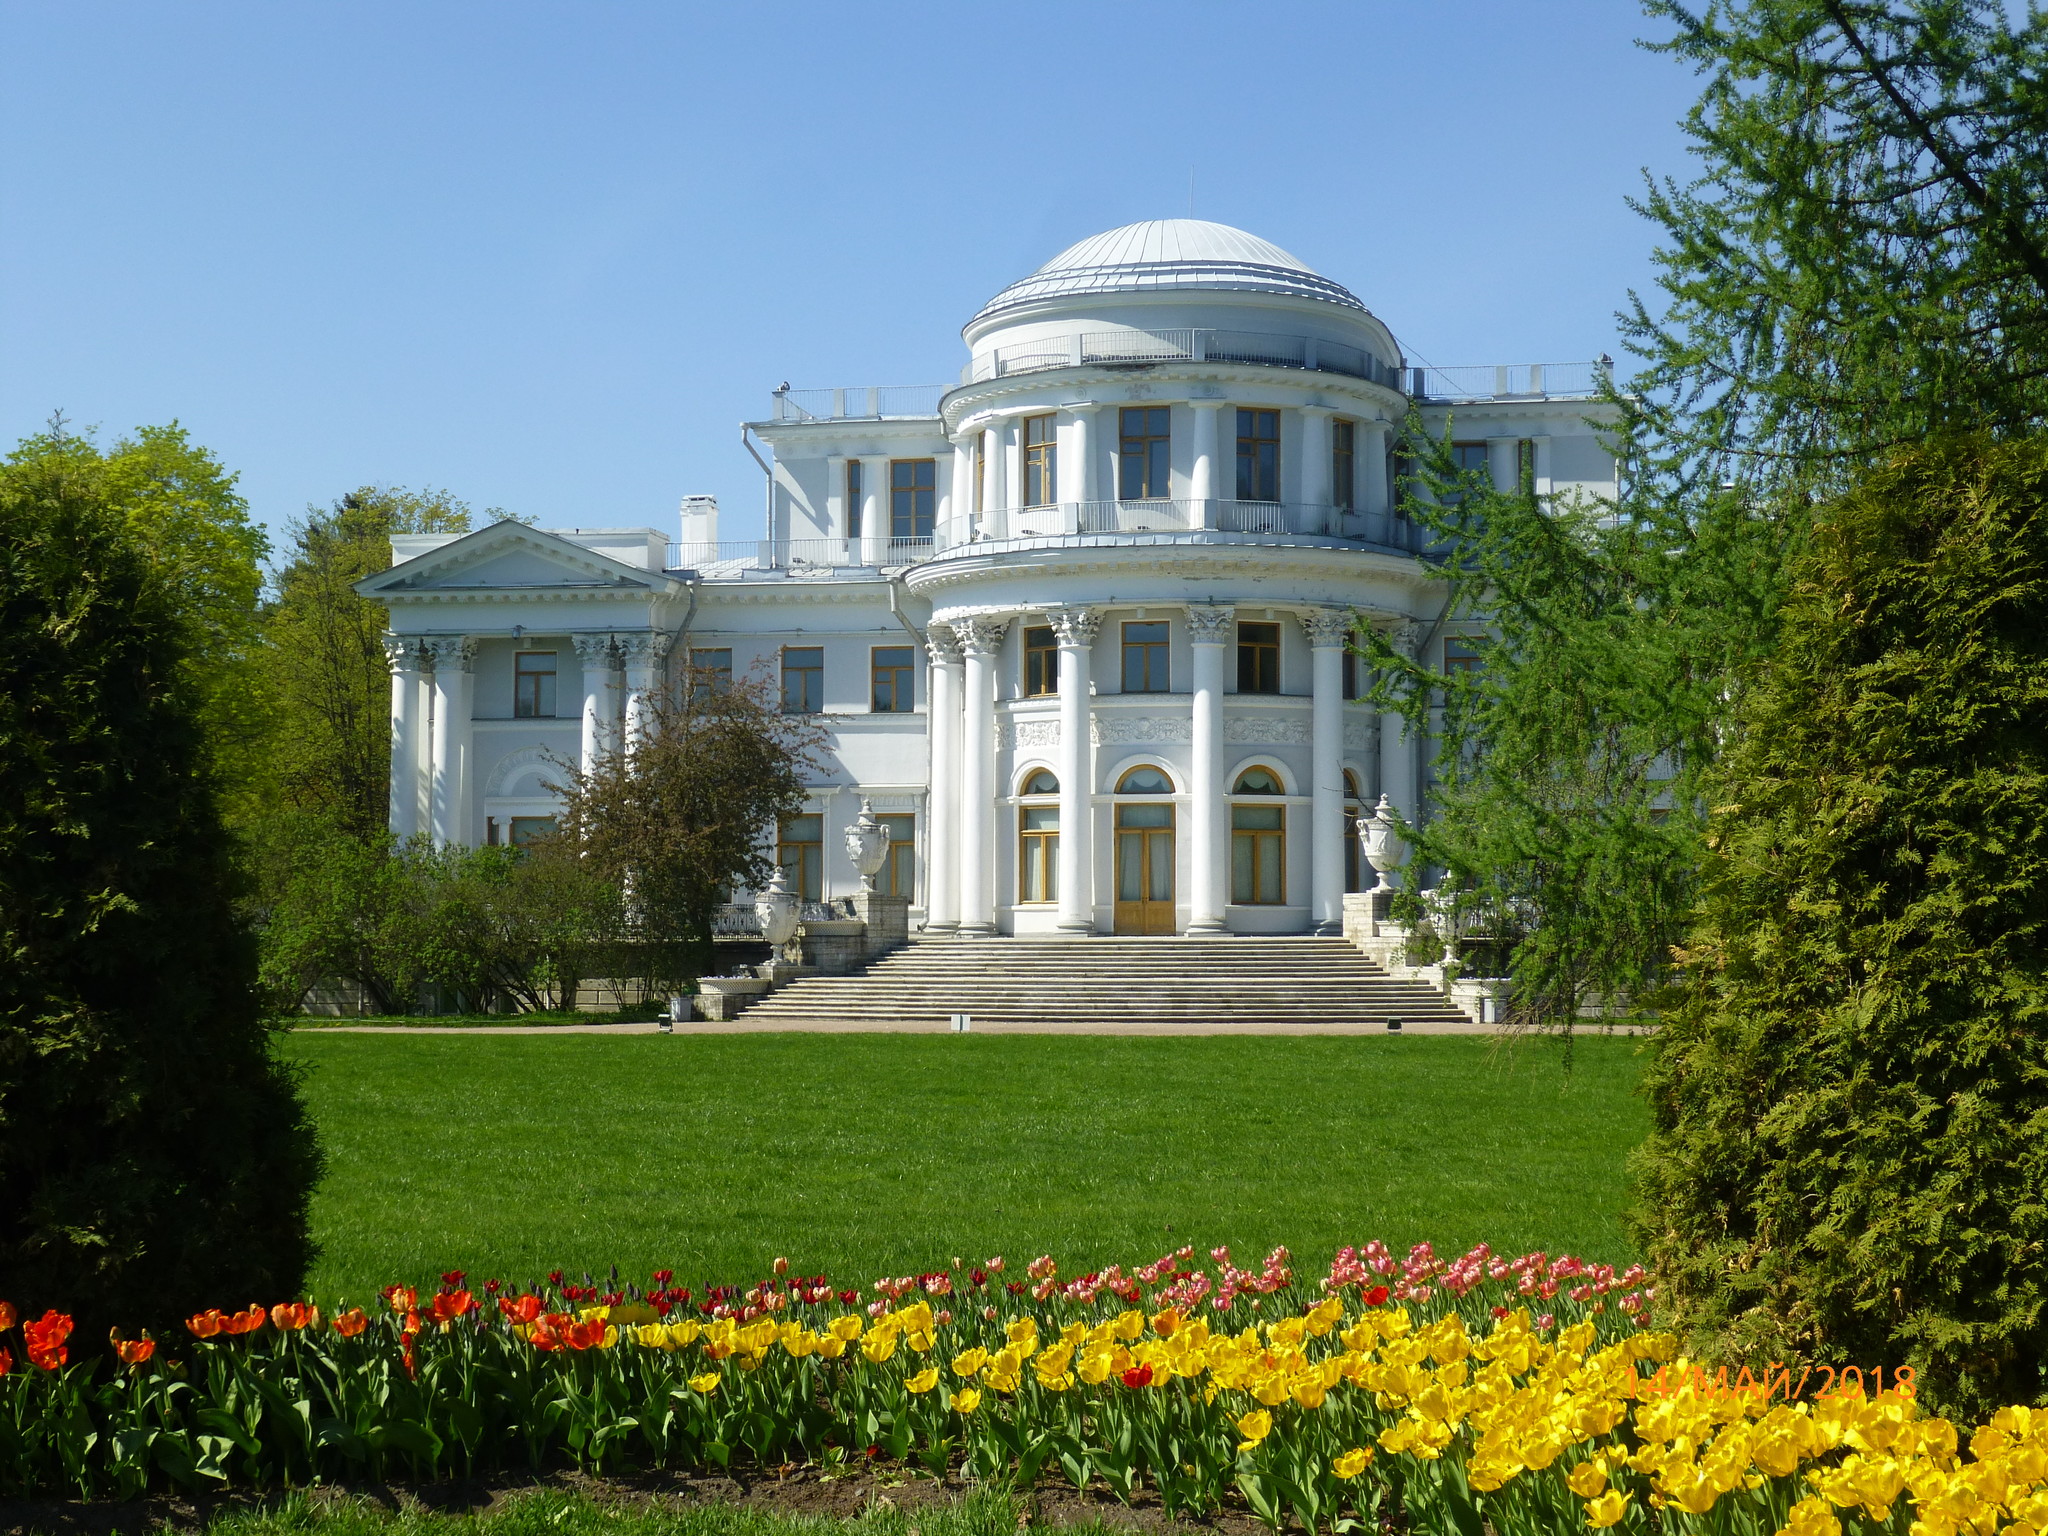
{"x":1144,"y":869}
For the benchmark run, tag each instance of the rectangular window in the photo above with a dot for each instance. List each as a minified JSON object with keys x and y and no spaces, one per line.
{"x":1144,"y":452}
{"x":800,"y":851}
{"x":1470,"y":459}
{"x":1041,"y":461}
{"x":1041,"y":662}
{"x":710,"y":672}
{"x":1258,"y":857}
{"x":1460,"y":655}
{"x":1258,"y":455}
{"x":853,"y":495}
{"x":1038,"y":853}
{"x":527,"y":829}
{"x":913,"y":497}
{"x":803,"y":679}
{"x":533,"y":685}
{"x":899,"y":875}
{"x":1258,"y":658}
{"x":895,"y":685}
{"x":1344,"y":464}
{"x":1145,"y":657}
{"x":1357,"y":675}
{"x":980,"y":474}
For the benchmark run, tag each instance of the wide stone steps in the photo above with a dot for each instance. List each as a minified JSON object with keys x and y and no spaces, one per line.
{"x":1250,"y":985}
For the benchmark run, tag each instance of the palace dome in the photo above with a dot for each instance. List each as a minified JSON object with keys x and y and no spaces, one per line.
{"x":1165,"y":255}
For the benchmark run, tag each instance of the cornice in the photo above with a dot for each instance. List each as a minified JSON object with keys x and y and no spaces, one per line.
{"x":1142,"y":381}
{"x":1193,"y":558}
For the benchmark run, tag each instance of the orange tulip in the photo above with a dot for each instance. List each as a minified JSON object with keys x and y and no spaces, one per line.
{"x":547,"y":1332}
{"x":6,"y":1361}
{"x":401,"y":1298}
{"x":6,"y":1315}
{"x":350,"y":1323}
{"x":206,"y":1324}
{"x":522,"y":1309}
{"x":45,"y":1339}
{"x":131,"y":1351}
{"x":291,"y":1316}
{"x":449,"y":1305}
{"x":246,"y":1321}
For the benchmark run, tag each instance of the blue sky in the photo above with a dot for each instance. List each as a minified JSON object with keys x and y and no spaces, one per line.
{"x":549,"y":256}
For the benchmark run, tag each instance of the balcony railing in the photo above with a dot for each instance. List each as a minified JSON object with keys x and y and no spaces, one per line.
{"x":1075,"y":519}
{"x":739,"y":920}
{"x":1508,"y":381}
{"x":1194,"y":345}
{"x":797,"y":555}
{"x":873,"y":402}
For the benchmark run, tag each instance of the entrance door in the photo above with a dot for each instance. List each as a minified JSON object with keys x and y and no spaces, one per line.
{"x":1144,"y":869}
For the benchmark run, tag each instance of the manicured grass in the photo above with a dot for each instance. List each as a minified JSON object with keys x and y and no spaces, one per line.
{"x":860,"y":1155}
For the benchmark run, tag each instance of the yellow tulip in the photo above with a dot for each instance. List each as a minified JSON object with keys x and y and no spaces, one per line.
{"x":879,"y":1346}
{"x":924,"y":1380}
{"x":1254,"y":1426}
{"x":846,"y":1329}
{"x":1607,"y":1509}
{"x":705,"y":1384}
{"x":966,"y":1400}
{"x":1588,"y":1479}
{"x":968,"y":1361}
{"x":1351,"y":1463}
{"x":1812,"y":1517}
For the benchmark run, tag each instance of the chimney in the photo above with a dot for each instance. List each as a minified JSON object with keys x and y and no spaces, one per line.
{"x":700,"y":530}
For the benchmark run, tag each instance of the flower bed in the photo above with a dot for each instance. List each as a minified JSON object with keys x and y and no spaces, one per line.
{"x":1526,"y":1393}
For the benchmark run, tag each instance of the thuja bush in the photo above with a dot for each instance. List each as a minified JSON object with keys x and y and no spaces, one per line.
{"x":153,"y":1154}
{"x":1849,"y":1156}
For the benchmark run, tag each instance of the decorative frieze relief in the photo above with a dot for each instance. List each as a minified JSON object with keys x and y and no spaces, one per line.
{"x":1120,"y":728}
{"x":1013,"y":734}
{"x":1362,"y":734}
{"x":1280,"y":730}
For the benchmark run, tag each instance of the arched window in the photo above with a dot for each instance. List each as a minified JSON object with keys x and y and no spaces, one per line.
{"x":1145,"y":781}
{"x":1258,"y":843}
{"x":1038,"y":839}
{"x":1354,"y":810}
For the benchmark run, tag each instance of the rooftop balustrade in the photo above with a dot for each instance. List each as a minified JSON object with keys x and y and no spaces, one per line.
{"x":1509,"y":381}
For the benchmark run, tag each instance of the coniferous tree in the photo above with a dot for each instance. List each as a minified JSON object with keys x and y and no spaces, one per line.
{"x":1850,"y":1155}
{"x":155,"y":1155}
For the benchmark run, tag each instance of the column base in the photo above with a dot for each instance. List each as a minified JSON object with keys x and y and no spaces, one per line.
{"x":1080,"y":930}
{"x":1329,"y":928}
{"x":1212,"y":929}
{"x":975,"y":931}
{"x":948,"y":925}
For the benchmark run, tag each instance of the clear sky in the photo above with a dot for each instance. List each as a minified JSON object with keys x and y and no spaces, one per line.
{"x":550,"y":256}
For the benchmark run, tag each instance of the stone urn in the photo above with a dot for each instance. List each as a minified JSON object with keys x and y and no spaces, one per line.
{"x":1380,"y":839}
{"x":867,"y":844}
{"x":778,"y":909}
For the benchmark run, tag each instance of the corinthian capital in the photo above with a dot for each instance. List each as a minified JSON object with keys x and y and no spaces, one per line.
{"x":643,"y":645}
{"x":941,"y":645}
{"x":1327,"y":627}
{"x":1076,"y":626}
{"x":1209,"y":625}
{"x":982,"y":637}
{"x":449,"y":653}
{"x":595,"y":650}
{"x":402,"y":653}
{"x":1407,"y":637}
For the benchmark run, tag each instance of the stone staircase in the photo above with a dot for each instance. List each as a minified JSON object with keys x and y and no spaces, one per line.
{"x":1123,"y":986}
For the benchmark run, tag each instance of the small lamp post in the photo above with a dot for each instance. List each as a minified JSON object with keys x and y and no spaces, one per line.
{"x":867,"y":844}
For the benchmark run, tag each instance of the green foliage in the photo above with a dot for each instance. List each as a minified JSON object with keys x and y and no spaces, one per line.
{"x":152,"y":1151}
{"x":1850,"y":1161}
{"x":327,"y":683}
{"x":551,"y":1511}
{"x":676,"y":817}
{"x":1863,"y":257}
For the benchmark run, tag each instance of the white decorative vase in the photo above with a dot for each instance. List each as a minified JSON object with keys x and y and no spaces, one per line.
{"x":1380,"y":839}
{"x":777,"y":908}
{"x":867,"y":844}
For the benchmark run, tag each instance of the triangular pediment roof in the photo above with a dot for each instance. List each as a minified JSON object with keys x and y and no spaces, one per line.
{"x":512,"y":558}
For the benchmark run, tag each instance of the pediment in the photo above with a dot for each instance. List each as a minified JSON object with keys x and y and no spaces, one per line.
{"x":512,"y":557}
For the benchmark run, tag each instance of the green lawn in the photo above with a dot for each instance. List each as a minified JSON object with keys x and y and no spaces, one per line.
{"x":861,"y":1155}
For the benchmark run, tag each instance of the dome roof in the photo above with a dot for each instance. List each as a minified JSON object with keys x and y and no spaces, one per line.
{"x":1167,"y":254}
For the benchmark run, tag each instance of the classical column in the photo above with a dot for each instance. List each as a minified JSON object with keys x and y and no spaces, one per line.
{"x":942,"y":805}
{"x":407,"y":671}
{"x":1398,"y":780}
{"x":454,"y":694}
{"x":642,"y":653}
{"x":874,"y":512}
{"x":959,"y":519}
{"x":1315,"y":469}
{"x":1208,"y":840}
{"x":1076,"y":629}
{"x":981,"y":641}
{"x":597,"y":661}
{"x":1373,"y":495}
{"x":1077,"y":469}
{"x":1205,"y":477}
{"x":989,"y":523}
{"x":1545,"y":467}
{"x":1504,"y":463}
{"x":1328,"y":632}
{"x":1013,"y":472}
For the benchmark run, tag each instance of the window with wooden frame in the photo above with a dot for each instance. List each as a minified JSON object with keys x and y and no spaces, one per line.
{"x":1472,"y":466}
{"x":1041,"y":460}
{"x":1038,"y":839}
{"x":913,"y":497}
{"x":853,"y":498}
{"x":1041,"y":662}
{"x":803,"y":679}
{"x":529,"y":829}
{"x":894,"y":677}
{"x":899,"y":874}
{"x":1354,"y":812}
{"x":1145,"y":657}
{"x":1344,"y":464}
{"x":1258,"y":658}
{"x":533,"y":685}
{"x":1460,"y":654}
{"x":1258,"y":455}
{"x":1258,"y":844}
{"x":800,"y":853}
{"x":1144,"y":452}
{"x":1357,"y":670}
{"x":710,"y":671}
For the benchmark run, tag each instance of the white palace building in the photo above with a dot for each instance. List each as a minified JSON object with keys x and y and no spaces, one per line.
{"x":1076,"y":624}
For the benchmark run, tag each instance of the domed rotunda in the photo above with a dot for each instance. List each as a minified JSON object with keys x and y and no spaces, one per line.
{"x":1078,"y":624}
